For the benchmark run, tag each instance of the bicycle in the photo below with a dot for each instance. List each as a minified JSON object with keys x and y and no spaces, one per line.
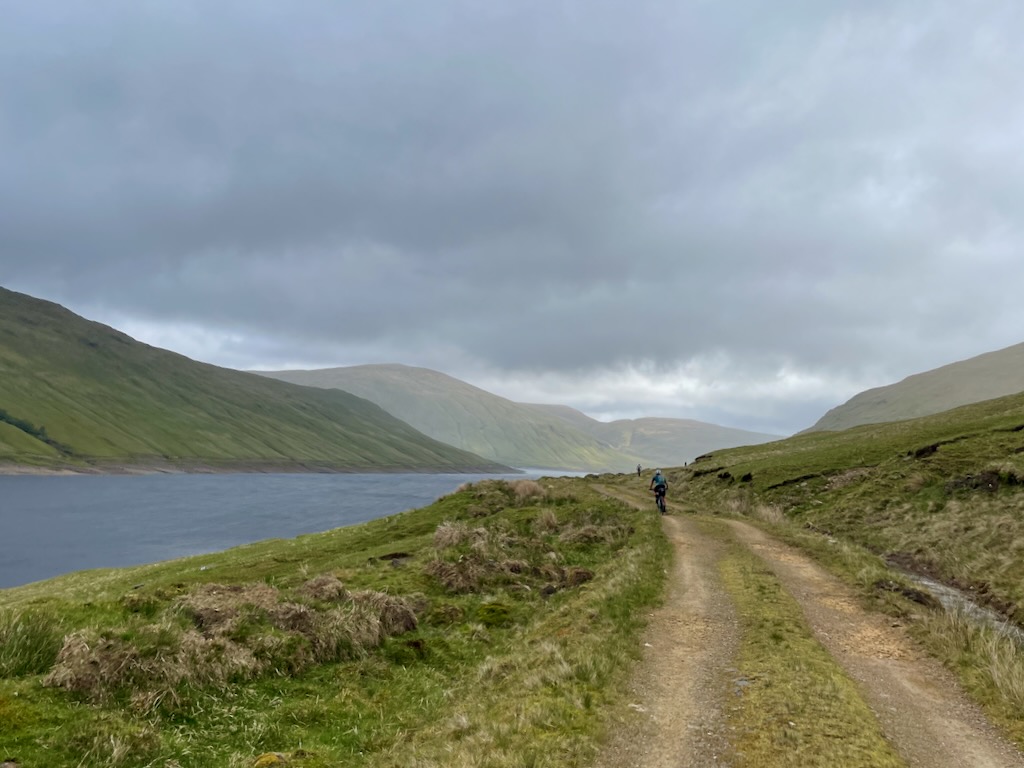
{"x":659,"y":498}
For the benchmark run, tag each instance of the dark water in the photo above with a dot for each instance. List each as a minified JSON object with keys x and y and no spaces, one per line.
{"x":54,"y":525}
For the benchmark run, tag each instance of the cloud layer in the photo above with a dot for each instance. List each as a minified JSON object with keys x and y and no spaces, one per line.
{"x":740,"y":212}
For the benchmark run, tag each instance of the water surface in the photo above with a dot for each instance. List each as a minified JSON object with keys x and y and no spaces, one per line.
{"x":51,"y":525}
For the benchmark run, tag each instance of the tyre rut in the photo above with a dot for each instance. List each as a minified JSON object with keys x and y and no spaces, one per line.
{"x":918,"y":704}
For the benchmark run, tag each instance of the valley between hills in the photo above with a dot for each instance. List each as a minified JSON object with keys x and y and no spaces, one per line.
{"x":79,"y":396}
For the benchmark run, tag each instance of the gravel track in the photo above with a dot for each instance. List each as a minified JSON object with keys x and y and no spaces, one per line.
{"x":678,"y":689}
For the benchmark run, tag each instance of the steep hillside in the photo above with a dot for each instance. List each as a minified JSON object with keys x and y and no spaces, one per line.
{"x":468,"y":417}
{"x":78,"y":393}
{"x":661,"y":441}
{"x":984,"y":377}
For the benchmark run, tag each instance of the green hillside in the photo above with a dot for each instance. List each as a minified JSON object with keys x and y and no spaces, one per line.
{"x":984,"y":377}
{"x":460,"y":414}
{"x":78,"y":393}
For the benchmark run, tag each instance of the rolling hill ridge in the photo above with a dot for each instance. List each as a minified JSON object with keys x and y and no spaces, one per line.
{"x":79,"y":394}
{"x":522,"y":435}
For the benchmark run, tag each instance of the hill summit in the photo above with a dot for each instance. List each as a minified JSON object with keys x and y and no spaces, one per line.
{"x":985,"y":377}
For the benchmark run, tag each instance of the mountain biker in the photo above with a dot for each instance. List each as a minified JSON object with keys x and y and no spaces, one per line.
{"x":660,"y":487}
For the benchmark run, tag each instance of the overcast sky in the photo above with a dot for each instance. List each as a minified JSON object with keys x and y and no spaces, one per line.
{"x":741,"y":212}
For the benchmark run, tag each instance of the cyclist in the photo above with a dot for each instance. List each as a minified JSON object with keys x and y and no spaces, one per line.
{"x":660,"y":487}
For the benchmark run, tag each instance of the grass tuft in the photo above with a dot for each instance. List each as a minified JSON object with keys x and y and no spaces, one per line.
{"x":29,"y":642}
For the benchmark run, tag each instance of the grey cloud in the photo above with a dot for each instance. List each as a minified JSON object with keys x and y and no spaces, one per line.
{"x":533,"y":186}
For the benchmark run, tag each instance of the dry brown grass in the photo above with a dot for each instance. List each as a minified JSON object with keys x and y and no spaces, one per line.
{"x":326,"y":588}
{"x":546,"y":522}
{"x":450,"y":534}
{"x":847,"y":477}
{"x":527,"y":490}
{"x":589,"y":533}
{"x":739,"y":504}
{"x":213,"y":606}
{"x":466,"y":575}
{"x":770,"y":514}
{"x":915,"y":482}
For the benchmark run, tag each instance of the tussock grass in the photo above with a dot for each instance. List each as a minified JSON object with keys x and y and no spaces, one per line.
{"x":527,"y":490}
{"x":217,"y":634}
{"x":990,"y":659}
{"x":546,"y":522}
{"x":562,"y":670}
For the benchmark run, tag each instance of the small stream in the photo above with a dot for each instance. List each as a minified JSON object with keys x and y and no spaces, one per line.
{"x":954,"y":600}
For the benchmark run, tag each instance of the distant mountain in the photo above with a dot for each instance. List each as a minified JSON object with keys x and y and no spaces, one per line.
{"x":664,"y":441}
{"x":523,"y":435}
{"x":985,"y":377}
{"x":80,"y":394}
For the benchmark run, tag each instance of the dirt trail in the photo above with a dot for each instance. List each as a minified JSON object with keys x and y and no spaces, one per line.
{"x":918,"y":704}
{"x":678,"y":689}
{"x":684,"y":677}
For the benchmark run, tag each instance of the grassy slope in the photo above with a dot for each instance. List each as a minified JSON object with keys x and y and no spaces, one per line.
{"x":106,"y":398}
{"x":436,"y":695}
{"x":984,"y":377}
{"x":463,"y":415}
{"x":659,"y":441}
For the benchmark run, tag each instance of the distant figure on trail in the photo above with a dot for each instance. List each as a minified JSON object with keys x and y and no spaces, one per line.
{"x":660,"y":487}
{"x":638,"y":468}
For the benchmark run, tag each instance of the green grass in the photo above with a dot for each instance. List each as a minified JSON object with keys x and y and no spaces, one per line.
{"x":511,"y":663}
{"x":103,"y":398}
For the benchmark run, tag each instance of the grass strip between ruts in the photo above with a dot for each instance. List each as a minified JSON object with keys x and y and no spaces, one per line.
{"x":792,"y":704}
